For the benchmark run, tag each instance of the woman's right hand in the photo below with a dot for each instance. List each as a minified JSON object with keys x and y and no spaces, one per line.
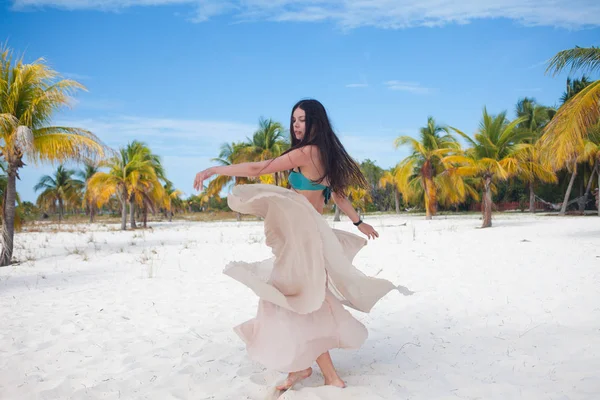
{"x":201,"y":177}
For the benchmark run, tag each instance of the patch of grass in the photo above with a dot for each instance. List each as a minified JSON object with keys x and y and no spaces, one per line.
{"x":144,"y":258}
{"x":254,"y":239}
{"x":148,"y":260}
{"x":75,"y":251}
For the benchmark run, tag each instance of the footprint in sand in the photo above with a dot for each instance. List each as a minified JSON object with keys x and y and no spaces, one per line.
{"x":247,"y":371}
{"x":265,"y":378}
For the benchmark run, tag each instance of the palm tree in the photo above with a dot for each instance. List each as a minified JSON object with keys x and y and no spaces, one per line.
{"x":267,"y":142}
{"x":59,"y":190}
{"x":173,"y":200}
{"x":30,"y":94}
{"x":3,"y":183}
{"x":455,"y":189}
{"x":564,"y":150}
{"x":197,"y":201}
{"x":360,"y":199}
{"x":435,"y":143}
{"x":231,"y":153}
{"x":564,"y":136}
{"x":86,"y":174}
{"x":491,"y":155}
{"x":392,"y":178}
{"x":535,"y":117}
{"x":373,"y":174}
{"x":574,"y":86}
{"x":148,"y":191}
{"x":122,"y":179}
{"x":591,"y":154}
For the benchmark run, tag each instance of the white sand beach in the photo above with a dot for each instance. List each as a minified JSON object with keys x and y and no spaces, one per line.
{"x":511,"y":312}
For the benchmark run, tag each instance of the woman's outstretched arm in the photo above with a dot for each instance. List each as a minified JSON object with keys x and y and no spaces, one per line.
{"x":295,"y":158}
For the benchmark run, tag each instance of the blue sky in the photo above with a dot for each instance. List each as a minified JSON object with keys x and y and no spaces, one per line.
{"x":185,"y":76}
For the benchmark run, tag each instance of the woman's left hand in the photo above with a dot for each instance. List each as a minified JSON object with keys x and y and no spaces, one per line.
{"x":368,"y":230}
{"x":201,"y":177}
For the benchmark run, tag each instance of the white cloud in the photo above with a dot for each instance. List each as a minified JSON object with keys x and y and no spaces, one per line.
{"x":412,"y":87}
{"x":357,"y":85}
{"x":348,"y":14}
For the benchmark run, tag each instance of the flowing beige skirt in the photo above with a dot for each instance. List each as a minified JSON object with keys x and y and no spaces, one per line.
{"x":303,"y":287}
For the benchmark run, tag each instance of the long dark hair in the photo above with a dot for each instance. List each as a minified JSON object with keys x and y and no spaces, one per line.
{"x":340,"y":169}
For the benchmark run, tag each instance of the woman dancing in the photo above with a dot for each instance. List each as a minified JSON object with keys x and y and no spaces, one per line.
{"x":303,"y":288}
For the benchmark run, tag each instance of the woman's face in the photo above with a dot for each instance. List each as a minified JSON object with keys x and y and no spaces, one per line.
{"x":299,"y":123}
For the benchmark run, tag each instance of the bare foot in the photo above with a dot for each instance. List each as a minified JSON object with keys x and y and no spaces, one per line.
{"x":335,"y":382}
{"x":295,"y":377}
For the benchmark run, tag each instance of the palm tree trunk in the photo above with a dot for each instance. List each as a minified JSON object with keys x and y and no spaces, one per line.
{"x":123,"y":198}
{"x":487,"y":203}
{"x":145,"y":215}
{"x":427,"y":209}
{"x":60,"y":209}
{"x":170,"y":215}
{"x":336,"y":216}
{"x":584,"y":199}
{"x":431,"y":199}
{"x":428,"y":189}
{"x":238,"y":217}
{"x":123,"y":215}
{"x":531,"y":198}
{"x":132,"y":213}
{"x":92,"y":212}
{"x":397,"y":200}
{"x":8,"y":217}
{"x":563,"y":209}
{"x":598,"y":189}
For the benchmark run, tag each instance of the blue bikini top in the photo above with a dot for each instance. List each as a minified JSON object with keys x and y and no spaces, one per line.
{"x":300,"y":182}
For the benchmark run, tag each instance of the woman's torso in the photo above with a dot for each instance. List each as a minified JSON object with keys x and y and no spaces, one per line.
{"x":313,"y":172}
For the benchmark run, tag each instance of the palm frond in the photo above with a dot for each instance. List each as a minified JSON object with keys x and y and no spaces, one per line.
{"x":464,"y":136}
{"x":60,"y":144}
{"x":564,"y":135}
{"x":580,"y":59}
{"x":417,"y":146}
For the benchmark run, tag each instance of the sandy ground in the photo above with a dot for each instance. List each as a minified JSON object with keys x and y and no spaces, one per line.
{"x":511,"y":312}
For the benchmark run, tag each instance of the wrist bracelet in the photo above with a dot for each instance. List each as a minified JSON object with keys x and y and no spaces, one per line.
{"x":357,"y":223}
